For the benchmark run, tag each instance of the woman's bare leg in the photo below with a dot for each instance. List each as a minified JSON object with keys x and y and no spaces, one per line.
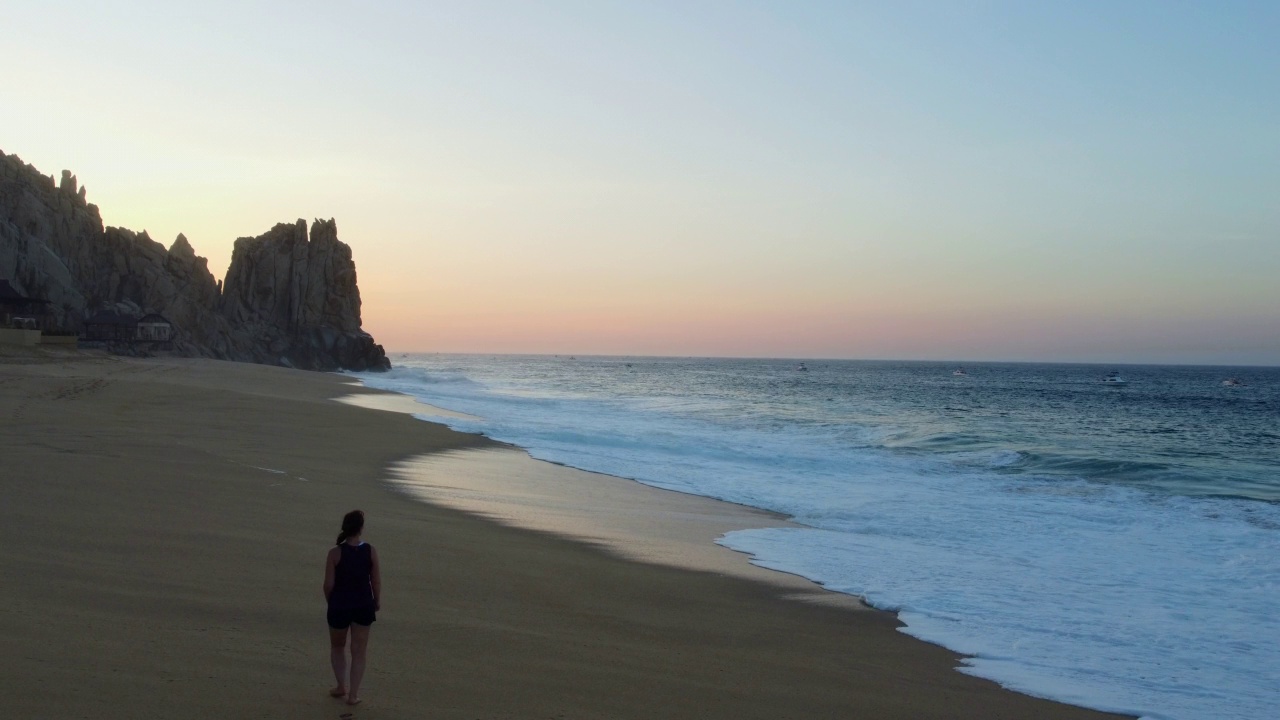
{"x":359,"y":646}
{"x":338,"y":658}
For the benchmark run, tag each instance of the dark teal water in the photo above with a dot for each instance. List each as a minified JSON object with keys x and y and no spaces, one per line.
{"x":1169,"y":429}
{"x":1174,"y":429}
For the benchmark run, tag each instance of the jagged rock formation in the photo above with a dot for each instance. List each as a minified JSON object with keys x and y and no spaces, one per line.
{"x":298,"y":296}
{"x":288,"y":299}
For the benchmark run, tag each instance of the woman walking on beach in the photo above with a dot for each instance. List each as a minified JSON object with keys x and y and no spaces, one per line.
{"x":352,"y":587}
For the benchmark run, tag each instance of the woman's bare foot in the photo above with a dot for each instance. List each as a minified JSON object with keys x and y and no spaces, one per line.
{"x":354,"y":701}
{"x":338,"y":692}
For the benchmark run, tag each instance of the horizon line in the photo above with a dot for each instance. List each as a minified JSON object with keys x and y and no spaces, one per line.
{"x":816,"y":358}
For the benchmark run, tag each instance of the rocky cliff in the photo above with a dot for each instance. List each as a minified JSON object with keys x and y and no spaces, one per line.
{"x":289,"y":298}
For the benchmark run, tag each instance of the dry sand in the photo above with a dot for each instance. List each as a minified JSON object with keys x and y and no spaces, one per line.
{"x":167,"y":522}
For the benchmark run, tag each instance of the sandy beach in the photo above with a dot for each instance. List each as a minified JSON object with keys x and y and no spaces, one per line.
{"x":168,"y":520}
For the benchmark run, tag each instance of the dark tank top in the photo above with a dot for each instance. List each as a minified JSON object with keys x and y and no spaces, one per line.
{"x":351,"y":587}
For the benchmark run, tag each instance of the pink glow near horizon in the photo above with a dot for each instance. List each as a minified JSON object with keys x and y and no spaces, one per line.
{"x":873,"y":333}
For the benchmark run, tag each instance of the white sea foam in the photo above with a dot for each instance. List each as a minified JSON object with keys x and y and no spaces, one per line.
{"x":1100,"y":595}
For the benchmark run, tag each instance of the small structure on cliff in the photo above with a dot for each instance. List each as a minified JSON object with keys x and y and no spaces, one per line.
{"x":155,"y":329}
{"x":154,"y":333}
{"x":17,"y":309}
{"x":110,"y":327}
{"x":151,"y":332}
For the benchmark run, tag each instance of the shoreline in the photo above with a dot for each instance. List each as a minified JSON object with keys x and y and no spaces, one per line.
{"x":620,"y":516}
{"x":680,"y":529}
{"x":181,"y":509}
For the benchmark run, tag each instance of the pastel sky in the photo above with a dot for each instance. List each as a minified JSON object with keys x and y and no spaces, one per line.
{"x":1075,"y":181}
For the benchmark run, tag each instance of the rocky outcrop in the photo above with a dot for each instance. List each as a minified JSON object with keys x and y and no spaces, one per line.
{"x":288,"y":299}
{"x":298,"y":296}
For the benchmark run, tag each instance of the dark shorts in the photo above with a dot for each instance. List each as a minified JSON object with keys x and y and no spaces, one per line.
{"x":342,"y":619}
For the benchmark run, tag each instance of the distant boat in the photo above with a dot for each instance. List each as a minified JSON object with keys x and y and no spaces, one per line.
{"x":1113,"y":378}
{"x":802,"y":368}
{"x":959,"y":371}
{"x":1234,"y":382}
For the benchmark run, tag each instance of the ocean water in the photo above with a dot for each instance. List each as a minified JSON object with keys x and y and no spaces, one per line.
{"x":1116,"y":547}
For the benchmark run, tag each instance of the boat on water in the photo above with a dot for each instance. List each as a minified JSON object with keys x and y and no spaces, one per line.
{"x":1113,"y":378}
{"x":959,"y":371}
{"x":802,"y":368}
{"x":1234,"y":382}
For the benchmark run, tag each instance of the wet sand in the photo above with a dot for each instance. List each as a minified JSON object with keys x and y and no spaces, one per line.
{"x":168,"y":521}
{"x":622,"y":517}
